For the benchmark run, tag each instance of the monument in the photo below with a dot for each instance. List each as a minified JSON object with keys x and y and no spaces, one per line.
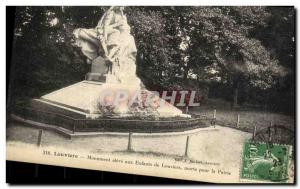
{"x":111,"y":51}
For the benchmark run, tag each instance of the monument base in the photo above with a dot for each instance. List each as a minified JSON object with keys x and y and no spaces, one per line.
{"x":73,"y":110}
{"x":83,"y":98}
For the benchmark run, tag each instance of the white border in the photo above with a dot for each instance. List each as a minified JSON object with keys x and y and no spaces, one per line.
{"x":152,"y":2}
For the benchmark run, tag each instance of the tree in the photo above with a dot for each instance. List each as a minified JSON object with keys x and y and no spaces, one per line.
{"x":220,"y":47}
{"x":239,"y":48}
{"x":279,"y":37}
{"x":45,"y":56}
{"x":157,"y":43}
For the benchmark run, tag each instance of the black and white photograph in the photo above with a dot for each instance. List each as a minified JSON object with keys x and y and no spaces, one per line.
{"x":197,"y":93}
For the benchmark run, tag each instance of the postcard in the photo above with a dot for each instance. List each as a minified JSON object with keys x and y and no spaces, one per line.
{"x":188,"y":92}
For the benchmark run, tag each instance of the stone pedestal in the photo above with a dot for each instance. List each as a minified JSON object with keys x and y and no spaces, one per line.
{"x":99,"y":68}
{"x":83,"y":98}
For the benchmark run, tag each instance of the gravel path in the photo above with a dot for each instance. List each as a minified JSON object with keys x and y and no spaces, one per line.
{"x":214,"y":144}
{"x":218,"y":149}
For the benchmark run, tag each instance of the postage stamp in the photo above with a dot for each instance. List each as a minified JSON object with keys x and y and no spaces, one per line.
{"x":265,"y":162}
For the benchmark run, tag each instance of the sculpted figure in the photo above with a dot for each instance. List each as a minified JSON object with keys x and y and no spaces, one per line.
{"x":115,"y":34}
{"x":88,"y":40}
{"x":111,"y":39}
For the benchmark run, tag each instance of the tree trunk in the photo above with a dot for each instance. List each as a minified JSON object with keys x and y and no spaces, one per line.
{"x":185,"y":74}
{"x":206,"y":95}
{"x":235,"y":97}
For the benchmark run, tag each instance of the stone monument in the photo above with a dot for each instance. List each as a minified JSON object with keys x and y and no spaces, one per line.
{"x":110,"y":49}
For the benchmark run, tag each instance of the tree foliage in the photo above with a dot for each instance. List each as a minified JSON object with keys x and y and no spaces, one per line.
{"x":244,"y":48}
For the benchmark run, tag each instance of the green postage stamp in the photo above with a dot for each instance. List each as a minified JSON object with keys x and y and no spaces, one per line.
{"x":265,"y":162}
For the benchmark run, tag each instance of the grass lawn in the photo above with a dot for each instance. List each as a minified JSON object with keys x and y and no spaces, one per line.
{"x":226,"y":116}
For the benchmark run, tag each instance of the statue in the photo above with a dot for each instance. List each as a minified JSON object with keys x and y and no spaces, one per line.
{"x":117,"y":91}
{"x":111,"y":39}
